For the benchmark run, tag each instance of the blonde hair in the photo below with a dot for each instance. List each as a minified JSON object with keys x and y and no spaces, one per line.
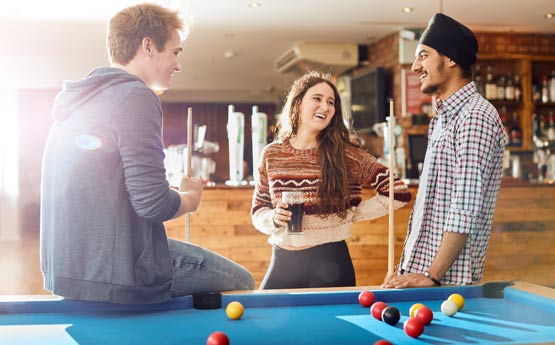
{"x":128,"y":27}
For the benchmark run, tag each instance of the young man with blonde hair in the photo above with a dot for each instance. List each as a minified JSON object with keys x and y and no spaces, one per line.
{"x":104,"y":193}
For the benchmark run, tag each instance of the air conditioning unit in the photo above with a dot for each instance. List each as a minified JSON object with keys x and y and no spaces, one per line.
{"x":334,"y":58}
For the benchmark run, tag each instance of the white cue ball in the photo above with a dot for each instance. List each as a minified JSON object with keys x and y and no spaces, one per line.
{"x":449,"y":308}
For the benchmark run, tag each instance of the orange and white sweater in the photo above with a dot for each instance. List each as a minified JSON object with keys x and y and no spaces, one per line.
{"x":285,"y":168}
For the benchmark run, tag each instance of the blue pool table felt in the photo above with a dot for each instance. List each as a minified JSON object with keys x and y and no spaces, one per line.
{"x":494,"y":313}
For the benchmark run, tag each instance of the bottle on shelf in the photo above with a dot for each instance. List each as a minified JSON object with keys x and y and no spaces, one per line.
{"x":518,"y":88}
{"x":509,"y":88}
{"x":536,"y":132}
{"x":541,"y":126}
{"x":505,"y":121}
{"x":545,"y":90}
{"x":536,"y":93}
{"x":516,"y":131}
{"x":500,"y":87}
{"x":491,"y":87}
{"x":480,"y":85}
{"x":550,"y":129}
{"x":552,"y":86}
{"x":538,"y":124}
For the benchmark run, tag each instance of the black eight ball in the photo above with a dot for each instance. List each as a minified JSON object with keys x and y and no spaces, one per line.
{"x":391,"y":315}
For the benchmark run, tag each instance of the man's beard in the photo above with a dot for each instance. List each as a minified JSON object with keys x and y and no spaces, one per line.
{"x":430,"y":90}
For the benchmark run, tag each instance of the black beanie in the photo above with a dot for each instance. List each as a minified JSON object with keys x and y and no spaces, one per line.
{"x":451,"y":39}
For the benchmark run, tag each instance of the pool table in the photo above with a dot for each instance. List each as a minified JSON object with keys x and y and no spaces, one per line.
{"x":494,"y":313}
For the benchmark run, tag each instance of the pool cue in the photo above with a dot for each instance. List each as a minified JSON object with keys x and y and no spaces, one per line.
{"x":391,"y":239}
{"x":188,"y":166}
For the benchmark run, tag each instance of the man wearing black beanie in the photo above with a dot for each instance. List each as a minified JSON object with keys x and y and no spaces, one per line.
{"x":450,"y":224}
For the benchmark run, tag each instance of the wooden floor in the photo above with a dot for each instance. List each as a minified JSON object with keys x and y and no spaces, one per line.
{"x":20,"y":267}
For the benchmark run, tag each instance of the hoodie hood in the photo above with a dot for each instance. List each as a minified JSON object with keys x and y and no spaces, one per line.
{"x":77,"y":93}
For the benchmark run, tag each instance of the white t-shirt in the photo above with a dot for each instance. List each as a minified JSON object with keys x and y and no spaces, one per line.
{"x":418,"y":211}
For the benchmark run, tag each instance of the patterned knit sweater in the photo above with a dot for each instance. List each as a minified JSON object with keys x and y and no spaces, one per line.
{"x":285,"y":168}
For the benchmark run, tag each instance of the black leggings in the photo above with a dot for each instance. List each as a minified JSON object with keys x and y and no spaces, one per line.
{"x":326,"y":265}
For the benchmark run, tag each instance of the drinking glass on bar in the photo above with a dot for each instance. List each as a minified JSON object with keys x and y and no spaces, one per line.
{"x":295,"y":200}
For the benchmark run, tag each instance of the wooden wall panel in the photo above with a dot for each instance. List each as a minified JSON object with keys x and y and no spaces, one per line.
{"x":521,"y":247}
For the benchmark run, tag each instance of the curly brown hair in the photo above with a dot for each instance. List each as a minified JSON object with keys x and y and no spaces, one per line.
{"x":333,"y":190}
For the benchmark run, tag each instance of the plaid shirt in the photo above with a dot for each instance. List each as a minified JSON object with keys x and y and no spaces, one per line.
{"x":465,"y":169}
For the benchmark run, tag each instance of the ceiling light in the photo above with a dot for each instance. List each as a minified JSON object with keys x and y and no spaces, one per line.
{"x":255,"y":4}
{"x":408,"y":9}
{"x":549,"y":15}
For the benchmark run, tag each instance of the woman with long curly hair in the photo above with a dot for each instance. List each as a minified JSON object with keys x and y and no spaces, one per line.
{"x":312,"y":154}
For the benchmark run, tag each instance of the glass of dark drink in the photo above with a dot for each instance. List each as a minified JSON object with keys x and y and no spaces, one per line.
{"x":295,"y":200}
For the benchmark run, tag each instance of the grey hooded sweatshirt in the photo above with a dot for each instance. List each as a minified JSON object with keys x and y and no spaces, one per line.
{"x":104,"y":194}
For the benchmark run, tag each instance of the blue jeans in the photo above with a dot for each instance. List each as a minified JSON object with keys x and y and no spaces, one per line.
{"x":196,"y":269}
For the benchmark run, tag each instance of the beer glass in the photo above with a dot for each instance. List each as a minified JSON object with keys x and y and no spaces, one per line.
{"x":295,"y":200}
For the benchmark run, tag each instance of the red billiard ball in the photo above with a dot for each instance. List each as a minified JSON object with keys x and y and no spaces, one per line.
{"x":413,"y":327}
{"x":424,"y":314}
{"x":391,"y":315}
{"x":217,"y":338}
{"x":376,"y":310}
{"x":366,"y":298}
{"x":382,"y":342}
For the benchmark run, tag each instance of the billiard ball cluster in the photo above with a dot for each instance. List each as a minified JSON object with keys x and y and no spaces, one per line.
{"x":419,"y":314}
{"x":379,"y":310}
{"x":452,"y":304}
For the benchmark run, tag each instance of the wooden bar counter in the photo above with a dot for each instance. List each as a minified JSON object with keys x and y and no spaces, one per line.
{"x":521,"y":247}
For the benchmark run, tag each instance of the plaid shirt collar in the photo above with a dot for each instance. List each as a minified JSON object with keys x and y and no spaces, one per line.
{"x":449,"y":108}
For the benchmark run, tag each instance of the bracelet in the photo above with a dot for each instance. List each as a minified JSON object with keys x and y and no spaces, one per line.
{"x":434,"y":280}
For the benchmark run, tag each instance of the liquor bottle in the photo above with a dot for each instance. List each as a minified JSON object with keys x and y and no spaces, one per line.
{"x":480,"y":86}
{"x":552,"y":86}
{"x":545,"y":90}
{"x":538,"y":134}
{"x":536,"y":126}
{"x":535,"y":129}
{"x":516,"y":132}
{"x":518,"y":89}
{"x":550,"y":130}
{"x":541,"y":127}
{"x":509,"y":88}
{"x":505,"y":121}
{"x":491,"y":87}
{"x":536,"y":93}
{"x":500,"y":87}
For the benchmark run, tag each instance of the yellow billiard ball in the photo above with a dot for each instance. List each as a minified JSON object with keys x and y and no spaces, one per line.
{"x":234,"y":310}
{"x":458,"y":299}
{"x":414,"y":307}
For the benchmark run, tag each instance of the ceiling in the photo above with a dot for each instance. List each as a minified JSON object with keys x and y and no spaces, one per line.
{"x":230,"y":51}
